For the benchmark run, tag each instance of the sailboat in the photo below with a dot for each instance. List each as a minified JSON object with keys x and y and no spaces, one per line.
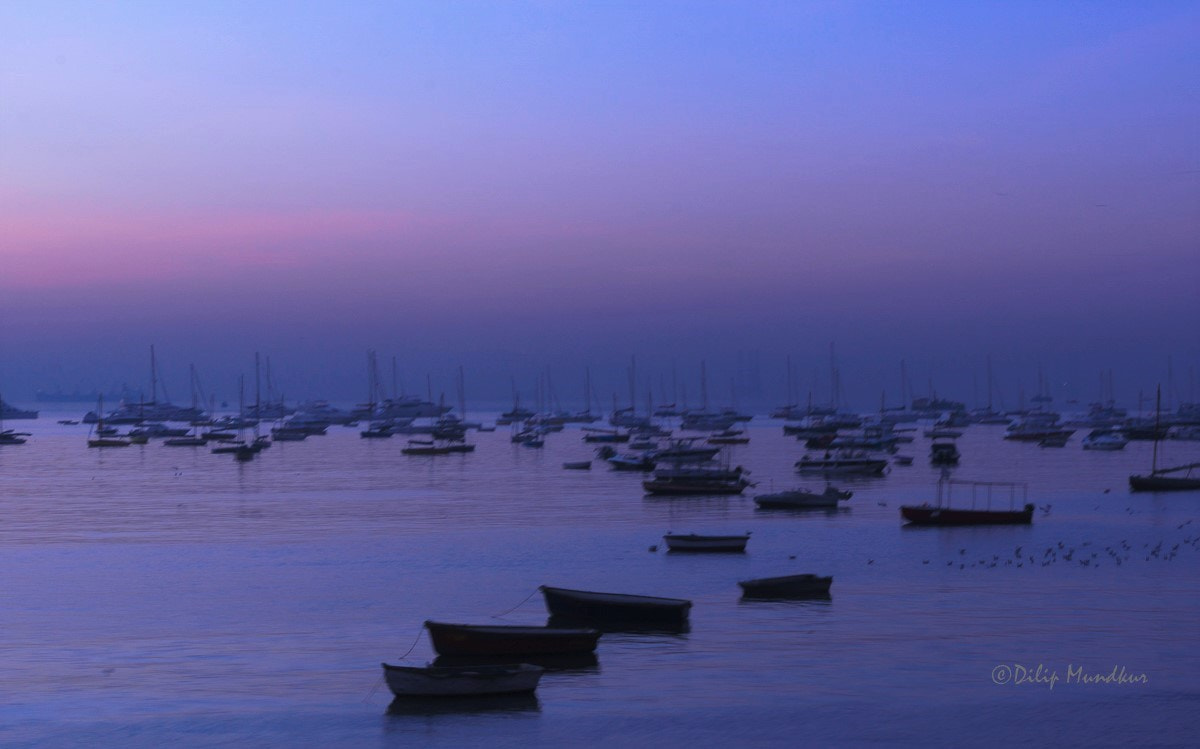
{"x":1179,"y":478}
{"x":100,"y":440}
{"x":241,"y":450}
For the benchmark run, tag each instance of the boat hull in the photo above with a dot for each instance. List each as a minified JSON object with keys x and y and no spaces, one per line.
{"x":843,"y":468}
{"x":694,"y":543}
{"x":787,"y":586}
{"x":801,"y":499}
{"x":928,"y":515}
{"x":466,"y":639}
{"x":1163,"y":483}
{"x":583,"y":605}
{"x":464,"y":681}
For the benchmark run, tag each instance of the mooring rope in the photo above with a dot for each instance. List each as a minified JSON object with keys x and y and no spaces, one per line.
{"x":519,"y":605}
{"x":379,"y":681}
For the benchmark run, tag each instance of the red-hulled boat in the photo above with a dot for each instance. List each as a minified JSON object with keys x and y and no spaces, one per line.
{"x":486,"y":639}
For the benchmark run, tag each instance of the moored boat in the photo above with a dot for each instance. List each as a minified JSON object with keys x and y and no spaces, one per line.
{"x":1104,"y":439}
{"x":1175,"y":479}
{"x":787,"y":586}
{"x":801,"y":498}
{"x":461,"y":681}
{"x":853,"y":462}
{"x":942,"y":513}
{"x":688,"y":481}
{"x":697,"y":543}
{"x":470,"y":639}
{"x":621,"y":608}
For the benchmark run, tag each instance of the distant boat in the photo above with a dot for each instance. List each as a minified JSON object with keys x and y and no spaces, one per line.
{"x":1179,"y":478}
{"x":615,"y":608}
{"x":9,"y":436}
{"x":604,"y":435}
{"x":11,"y":412}
{"x":461,"y":681}
{"x":578,"y":465}
{"x":1104,"y":439}
{"x":842,"y":462}
{"x":429,"y":447}
{"x":100,"y":440}
{"x":696,"y":543}
{"x":697,"y":481}
{"x":625,"y":462}
{"x":729,"y":437}
{"x":941,"y":513}
{"x":944,"y":452}
{"x":802,"y":499}
{"x":491,"y":639}
{"x":787,"y":586}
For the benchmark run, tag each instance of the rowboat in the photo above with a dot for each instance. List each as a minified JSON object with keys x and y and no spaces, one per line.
{"x":591,"y":606}
{"x":470,"y":639}
{"x":693,"y":542}
{"x":802,"y":499}
{"x":461,"y":681}
{"x":786,"y":586}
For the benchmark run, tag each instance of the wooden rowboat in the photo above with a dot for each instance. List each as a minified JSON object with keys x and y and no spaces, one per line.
{"x":591,"y":606}
{"x":787,"y":586}
{"x":461,"y":681}
{"x":697,"y":543}
{"x":470,"y":639}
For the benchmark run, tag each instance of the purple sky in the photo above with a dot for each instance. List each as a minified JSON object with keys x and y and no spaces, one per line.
{"x":513,"y":186}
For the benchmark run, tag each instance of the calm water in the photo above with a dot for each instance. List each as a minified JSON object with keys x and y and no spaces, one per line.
{"x":155,"y":595}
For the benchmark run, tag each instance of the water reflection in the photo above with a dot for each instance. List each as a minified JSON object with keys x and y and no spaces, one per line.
{"x":632,"y":627}
{"x":815,"y":599}
{"x":498,"y":703}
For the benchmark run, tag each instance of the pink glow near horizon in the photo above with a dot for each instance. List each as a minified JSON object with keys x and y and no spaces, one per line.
{"x":537,"y":175}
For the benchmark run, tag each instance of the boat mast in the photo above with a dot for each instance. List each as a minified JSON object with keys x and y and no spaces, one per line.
{"x":1154,"y":455}
{"x":989,"y":382}
{"x":153,"y":377}
{"x":703,"y":387}
{"x":257,"y":392}
{"x":632,"y":384}
{"x":587,"y":390}
{"x":462,"y":395}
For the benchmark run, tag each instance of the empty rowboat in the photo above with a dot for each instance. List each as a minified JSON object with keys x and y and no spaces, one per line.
{"x":461,"y":681}
{"x":470,"y":639}
{"x":622,"y":608}
{"x":697,"y":543}
{"x":786,"y":586}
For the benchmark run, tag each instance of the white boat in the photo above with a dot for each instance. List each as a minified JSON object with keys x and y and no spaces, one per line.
{"x":842,"y":462}
{"x":1102,"y":439}
{"x":802,"y":498}
{"x":451,"y":681}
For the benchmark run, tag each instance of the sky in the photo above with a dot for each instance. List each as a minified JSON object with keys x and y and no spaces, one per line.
{"x":522,"y":187}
